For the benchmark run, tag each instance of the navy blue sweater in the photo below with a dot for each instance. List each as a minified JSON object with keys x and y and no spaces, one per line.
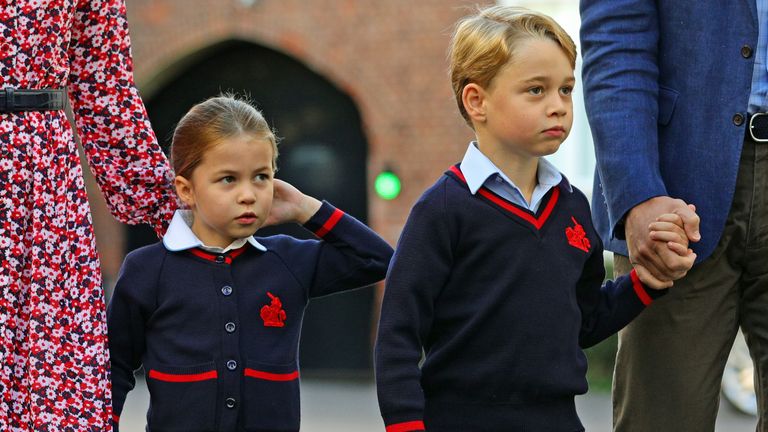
{"x":501,"y":301}
{"x":218,"y":334}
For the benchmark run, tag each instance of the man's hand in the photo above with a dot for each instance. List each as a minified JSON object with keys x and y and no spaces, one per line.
{"x":655,"y":258}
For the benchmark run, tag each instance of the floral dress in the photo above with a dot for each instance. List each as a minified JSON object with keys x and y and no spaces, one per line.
{"x":54,"y":363}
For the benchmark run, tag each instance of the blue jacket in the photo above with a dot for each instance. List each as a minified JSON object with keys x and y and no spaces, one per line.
{"x":666,"y":90}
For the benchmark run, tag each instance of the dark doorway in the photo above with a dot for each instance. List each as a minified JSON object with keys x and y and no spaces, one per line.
{"x":323,"y":152}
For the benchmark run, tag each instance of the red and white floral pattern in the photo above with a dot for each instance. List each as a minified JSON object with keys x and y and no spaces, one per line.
{"x":54,"y":363}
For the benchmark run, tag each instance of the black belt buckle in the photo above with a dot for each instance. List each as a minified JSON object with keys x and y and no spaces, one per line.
{"x":16,"y":100}
{"x":758,"y":127}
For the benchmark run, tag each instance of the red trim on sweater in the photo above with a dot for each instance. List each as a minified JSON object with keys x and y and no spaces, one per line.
{"x":330,"y":223}
{"x":253,"y":373}
{"x":506,"y":205}
{"x":459,"y":174}
{"x":639,"y":289}
{"x":416,"y":425}
{"x":116,"y":418}
{"x":234,"y":254}
{"x":210,"y":256}
{"x":160,"y":376}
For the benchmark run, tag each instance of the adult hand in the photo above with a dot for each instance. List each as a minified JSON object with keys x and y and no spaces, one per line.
{"x":655,"y":257}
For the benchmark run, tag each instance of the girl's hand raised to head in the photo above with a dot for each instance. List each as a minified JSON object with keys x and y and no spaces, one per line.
{"x":290,"y":205}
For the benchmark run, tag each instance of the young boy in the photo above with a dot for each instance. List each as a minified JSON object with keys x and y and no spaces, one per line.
{"x":497,"y":275}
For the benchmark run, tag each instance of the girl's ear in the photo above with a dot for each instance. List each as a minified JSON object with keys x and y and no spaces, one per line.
{"x":185,"y":191}
{"x":473,"y":98}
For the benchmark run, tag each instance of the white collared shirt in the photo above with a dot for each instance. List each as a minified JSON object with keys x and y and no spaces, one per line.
{"x":481,"y":171}
{"x":180,"y":236}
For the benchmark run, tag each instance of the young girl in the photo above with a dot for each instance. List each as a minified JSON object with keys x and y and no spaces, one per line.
{"x":214,"y":313}
{"x":497,"y":275}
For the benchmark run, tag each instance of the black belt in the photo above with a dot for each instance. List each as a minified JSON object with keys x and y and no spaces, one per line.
{"x":757,"y":127}
{"x":15,"y":100}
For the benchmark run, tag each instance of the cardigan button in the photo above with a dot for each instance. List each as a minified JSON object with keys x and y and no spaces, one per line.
{"x":230,"y":327}
{"x":226,"y":290}
{"x":231,"y":365}
{"x":230,"y":403}
{"x":219,"y":258}
{"x":746,"y":51}
{"x":738,"y":119}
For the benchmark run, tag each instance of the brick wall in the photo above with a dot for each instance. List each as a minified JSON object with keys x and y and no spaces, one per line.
{"x":389,"y":56}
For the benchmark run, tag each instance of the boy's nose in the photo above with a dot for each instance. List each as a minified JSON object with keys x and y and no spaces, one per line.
{"x":558,"y":107}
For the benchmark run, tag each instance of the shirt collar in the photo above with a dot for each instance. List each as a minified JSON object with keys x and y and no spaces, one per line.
{"x":180,"y":236}
{"x":477,"y":168}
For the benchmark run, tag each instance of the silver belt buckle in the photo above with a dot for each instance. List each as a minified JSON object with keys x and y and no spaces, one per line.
{"x":751,"y":127}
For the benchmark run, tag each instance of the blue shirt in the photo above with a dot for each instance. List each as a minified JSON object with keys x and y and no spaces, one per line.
{"x":758,"y":100}
{"x":480,"y":171}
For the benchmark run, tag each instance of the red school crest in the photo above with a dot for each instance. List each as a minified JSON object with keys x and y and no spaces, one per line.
{"x":577,"y":237}
{"x":273,"y":313}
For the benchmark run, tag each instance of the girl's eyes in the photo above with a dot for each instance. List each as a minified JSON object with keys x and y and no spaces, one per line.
{"x":567,"y":90}
{"x":535,"y":90}
{"x":258,"y":178}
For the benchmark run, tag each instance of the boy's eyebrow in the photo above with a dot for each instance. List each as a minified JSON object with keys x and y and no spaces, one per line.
{"x":543,"y":78}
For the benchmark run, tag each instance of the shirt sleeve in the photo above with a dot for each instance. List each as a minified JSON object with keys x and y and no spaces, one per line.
{"x":350,"y":255}
{"x":123,"y":154}
{"x":128,"y":311}
{"x":419,"y":270}
{"x":620,"y":41}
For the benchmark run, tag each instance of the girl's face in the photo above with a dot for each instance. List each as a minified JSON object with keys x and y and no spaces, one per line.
{"x":230,"y":191}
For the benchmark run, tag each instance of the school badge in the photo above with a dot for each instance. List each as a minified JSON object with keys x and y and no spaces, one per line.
{"x":273,"y":314}
{"x":577,"y":237}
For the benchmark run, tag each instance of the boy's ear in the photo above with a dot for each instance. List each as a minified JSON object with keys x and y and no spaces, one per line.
{"x":184,"y":190}
{"x":473,"y":98}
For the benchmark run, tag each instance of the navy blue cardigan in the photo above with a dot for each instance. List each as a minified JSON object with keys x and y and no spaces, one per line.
{"x":218,"y":334}
{"x":501,"y":301}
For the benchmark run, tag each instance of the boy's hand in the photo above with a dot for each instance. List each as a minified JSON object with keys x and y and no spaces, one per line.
{"x":649,"y":280}
{"x":290,"y":205}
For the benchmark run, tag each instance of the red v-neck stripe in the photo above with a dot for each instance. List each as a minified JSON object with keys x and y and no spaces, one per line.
{"x":506,"y":205}
{"x":537,"y":222}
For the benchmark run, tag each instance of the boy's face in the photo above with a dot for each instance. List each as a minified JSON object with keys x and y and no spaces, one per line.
{"x":230,"y":192}
{"x":528,"y":107}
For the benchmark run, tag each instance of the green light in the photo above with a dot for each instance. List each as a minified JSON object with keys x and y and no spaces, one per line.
{"x":387,"y":185}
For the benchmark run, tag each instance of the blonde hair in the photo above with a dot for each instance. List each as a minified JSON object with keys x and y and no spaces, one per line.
{"x":211,"y":121}
{"x":484,"y":43}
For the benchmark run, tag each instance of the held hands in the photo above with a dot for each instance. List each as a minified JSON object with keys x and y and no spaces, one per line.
{"x":290,"y":205}
{"x":658,"y":246}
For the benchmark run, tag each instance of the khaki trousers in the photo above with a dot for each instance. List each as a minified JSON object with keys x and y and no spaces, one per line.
{"x":671,"y":358}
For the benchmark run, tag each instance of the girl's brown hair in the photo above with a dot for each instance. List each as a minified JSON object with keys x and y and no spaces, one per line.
{"x":211,"y":121}
{"x":484,"y":43}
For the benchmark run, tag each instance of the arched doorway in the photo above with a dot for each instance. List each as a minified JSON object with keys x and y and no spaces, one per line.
{"x":323,"y":152}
